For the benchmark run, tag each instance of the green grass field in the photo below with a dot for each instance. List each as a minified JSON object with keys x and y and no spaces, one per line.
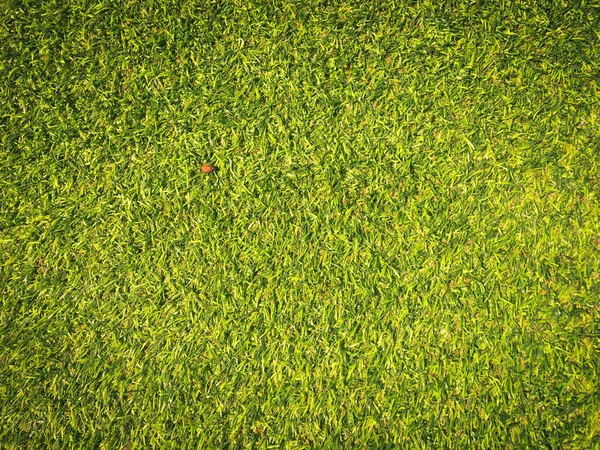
{"x":400,"y":247}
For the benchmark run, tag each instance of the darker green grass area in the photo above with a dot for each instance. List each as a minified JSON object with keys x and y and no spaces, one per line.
{"x":400,"y":247}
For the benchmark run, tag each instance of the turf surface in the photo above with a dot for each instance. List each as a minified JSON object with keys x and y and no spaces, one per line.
{"x":399,"y":247}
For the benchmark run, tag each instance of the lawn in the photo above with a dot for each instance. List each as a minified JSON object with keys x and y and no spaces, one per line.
{"x":399,"y":247}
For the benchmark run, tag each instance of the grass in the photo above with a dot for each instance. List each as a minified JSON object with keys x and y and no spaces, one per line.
{"x":399,"y":247}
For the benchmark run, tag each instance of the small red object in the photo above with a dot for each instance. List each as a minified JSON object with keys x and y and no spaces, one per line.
{"x":207,"y":168}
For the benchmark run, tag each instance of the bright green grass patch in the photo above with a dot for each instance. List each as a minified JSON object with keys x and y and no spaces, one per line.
{"x":399,"y":249}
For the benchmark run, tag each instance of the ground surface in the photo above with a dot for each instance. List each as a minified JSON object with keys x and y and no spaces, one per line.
{"x":399,"y":247}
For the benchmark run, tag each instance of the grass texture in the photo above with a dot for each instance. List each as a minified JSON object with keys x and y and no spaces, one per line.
{"x":399,"y":247}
